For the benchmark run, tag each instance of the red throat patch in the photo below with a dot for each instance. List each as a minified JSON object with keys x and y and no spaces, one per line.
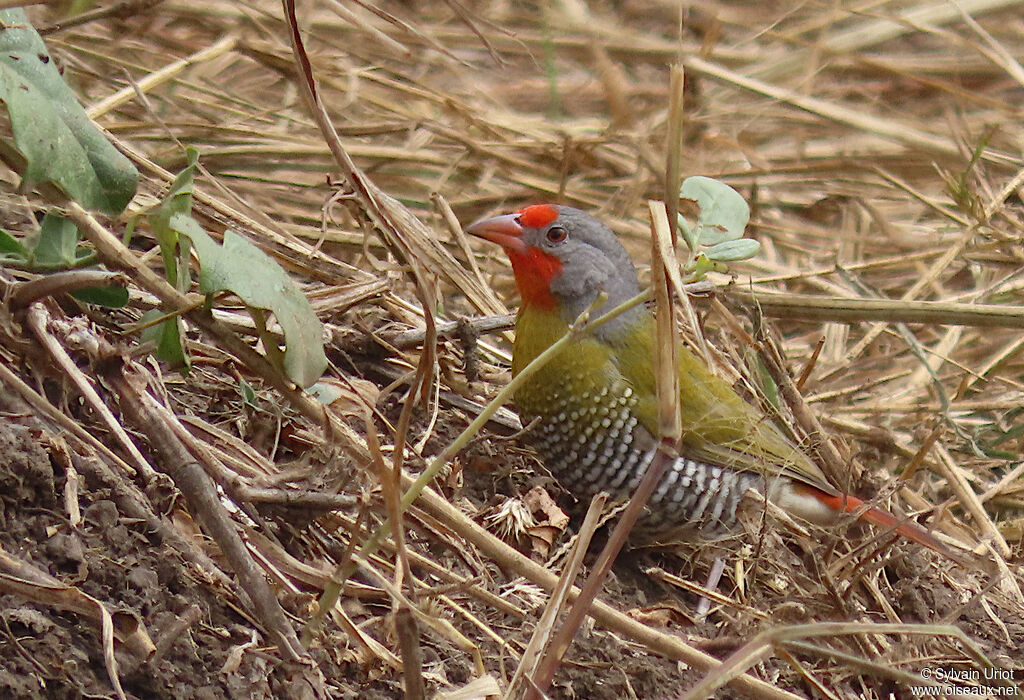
{"x":538,"y":215}
{"x":534,"y":270}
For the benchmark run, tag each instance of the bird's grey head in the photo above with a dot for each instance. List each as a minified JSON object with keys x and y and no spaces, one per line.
{"x":563,"y":255}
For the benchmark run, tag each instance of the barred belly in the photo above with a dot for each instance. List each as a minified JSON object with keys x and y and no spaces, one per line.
{"x":593,"y":442}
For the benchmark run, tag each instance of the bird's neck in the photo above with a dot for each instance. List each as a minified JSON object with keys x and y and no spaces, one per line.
{"x":575,"y":294}
{"x":539,"y":327}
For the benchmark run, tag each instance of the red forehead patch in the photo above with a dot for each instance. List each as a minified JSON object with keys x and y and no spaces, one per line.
{"x":538,"y":215}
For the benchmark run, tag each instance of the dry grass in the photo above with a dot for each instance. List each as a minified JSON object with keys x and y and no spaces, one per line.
{"x":880,"y":147}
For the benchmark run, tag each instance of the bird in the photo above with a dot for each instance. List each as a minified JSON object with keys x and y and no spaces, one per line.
{"x":594,"y":409}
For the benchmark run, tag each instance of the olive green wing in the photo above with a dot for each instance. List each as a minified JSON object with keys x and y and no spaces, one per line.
{"x":719,"y":427}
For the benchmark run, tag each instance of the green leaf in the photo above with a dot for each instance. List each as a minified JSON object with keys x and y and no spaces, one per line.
{"x":701,"y":266}
{"x":730,"y":251}
{"x":110,"y":297}
{"x":169,"y":338}
{"x":178,"y":201}
{"x":243,"y":269}
{"x":11,"y":247}
{"x":248,"y":393}
{"x":723,"y":212}
{"x":689,"y":235}
{"x":57,"y":242}
{"x":52,"y":133}
{"x":769,"y":389}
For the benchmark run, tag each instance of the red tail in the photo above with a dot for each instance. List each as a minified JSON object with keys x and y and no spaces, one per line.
{"x":884,"y":519}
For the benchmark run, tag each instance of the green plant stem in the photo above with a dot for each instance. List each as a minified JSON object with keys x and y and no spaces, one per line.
{"x":86,"y":260}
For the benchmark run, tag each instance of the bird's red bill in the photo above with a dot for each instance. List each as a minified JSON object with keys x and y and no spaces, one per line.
{"x":503,"y":230}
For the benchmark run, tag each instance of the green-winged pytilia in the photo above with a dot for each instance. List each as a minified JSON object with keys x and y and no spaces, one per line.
{"x":595,"y":402}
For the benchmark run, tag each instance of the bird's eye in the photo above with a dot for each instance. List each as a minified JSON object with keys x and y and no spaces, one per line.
{"x":556,"y":234}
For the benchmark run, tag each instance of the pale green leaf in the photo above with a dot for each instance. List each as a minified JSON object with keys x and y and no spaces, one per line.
{"x":57,"y":242}
{"x":177,"y":201}
{"x":723,"y":212}
{"x":52,"y":133}
{"x":243,"y":269}
{"x":11,"y":247}
{"x":730,"y":251}
{"x":247,"y":392}
{"x":169,"y":337}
